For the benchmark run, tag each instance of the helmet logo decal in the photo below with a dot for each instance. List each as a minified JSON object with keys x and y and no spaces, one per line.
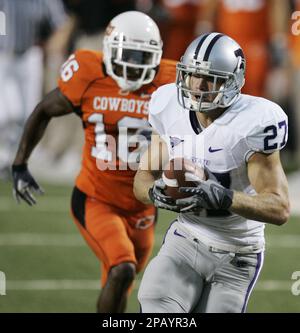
{"x":239,"y":53}
{"x":109,"y":29}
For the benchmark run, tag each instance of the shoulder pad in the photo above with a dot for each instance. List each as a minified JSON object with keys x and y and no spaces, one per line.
{"x":161,"y":98}
{"x":81,"y":68}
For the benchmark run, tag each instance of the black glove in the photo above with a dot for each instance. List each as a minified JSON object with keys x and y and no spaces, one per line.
{"x":209,"y":194}
{"x":24,"y":184}
{"x":159,"y":199}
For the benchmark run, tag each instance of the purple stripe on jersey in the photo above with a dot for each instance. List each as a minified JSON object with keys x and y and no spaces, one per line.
{"x":257,"y":269}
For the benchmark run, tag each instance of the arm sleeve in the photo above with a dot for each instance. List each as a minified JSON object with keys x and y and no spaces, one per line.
{"x":269,"y":136}
{"x":77,"y":73}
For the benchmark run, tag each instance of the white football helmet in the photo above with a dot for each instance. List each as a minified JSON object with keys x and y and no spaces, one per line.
{"x":132,"y":49}
{"x":218,"y":59}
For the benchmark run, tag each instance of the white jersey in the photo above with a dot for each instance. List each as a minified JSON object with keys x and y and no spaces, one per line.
{"x":250,"y":125}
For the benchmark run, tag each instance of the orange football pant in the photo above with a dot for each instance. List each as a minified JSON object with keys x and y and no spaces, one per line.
{"x":114,"y":235}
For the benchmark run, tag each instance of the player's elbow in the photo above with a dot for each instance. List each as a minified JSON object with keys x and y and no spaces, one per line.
{"x":283,"y":214}
{"x":40,"y":111}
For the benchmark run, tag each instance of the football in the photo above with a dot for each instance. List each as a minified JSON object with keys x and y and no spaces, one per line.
{"x":174,"y":176}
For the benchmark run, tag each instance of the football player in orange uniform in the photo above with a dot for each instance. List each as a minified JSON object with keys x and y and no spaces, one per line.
{"x":110,"y":92}
{"x":258,"y":26}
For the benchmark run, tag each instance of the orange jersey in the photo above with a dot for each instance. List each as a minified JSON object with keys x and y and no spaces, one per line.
{"x":109,"y":118}
{"x":244,"y":20}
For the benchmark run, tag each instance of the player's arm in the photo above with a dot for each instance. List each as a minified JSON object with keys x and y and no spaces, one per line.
{"x":148,"y":185}
{"x":53,"y":105}
{"x":271,"y":204}
{"x":150,"y":168}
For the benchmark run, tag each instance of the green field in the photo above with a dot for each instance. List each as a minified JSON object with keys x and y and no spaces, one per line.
{"x":49,"y":268}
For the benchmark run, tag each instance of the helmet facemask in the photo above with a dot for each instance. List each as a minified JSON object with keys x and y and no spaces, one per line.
{"x":221,"y":88}
{"x":131,"y":64}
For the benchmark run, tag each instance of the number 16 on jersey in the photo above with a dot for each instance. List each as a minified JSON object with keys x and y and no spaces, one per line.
{"x":130,"y":144}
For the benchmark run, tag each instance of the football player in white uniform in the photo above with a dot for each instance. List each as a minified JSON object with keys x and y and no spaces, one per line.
{"x":213,"y":252}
